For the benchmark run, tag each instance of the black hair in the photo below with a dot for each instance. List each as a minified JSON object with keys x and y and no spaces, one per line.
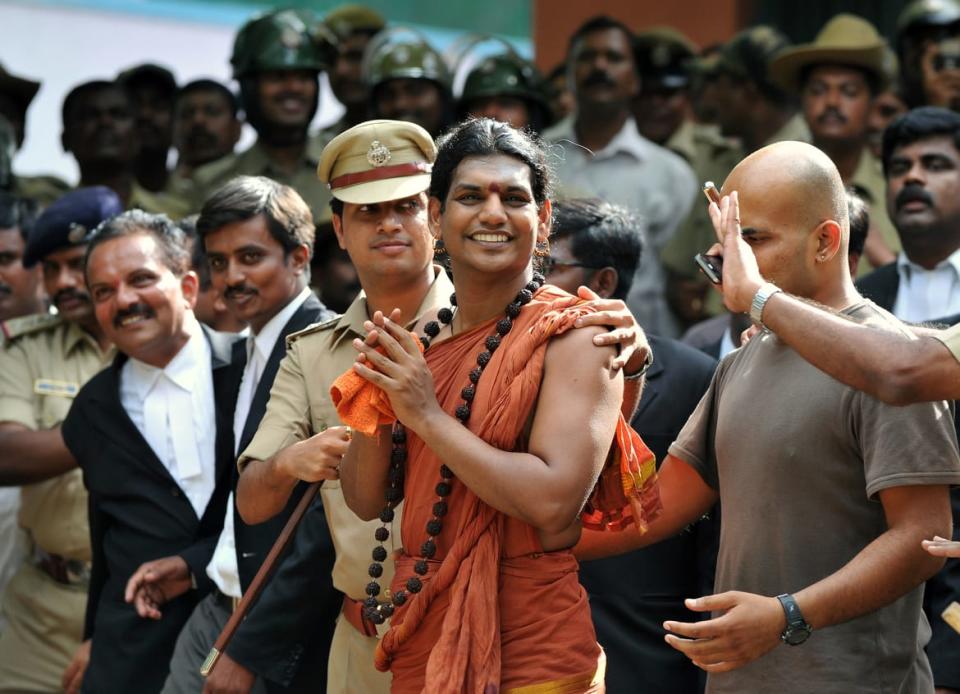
{"x":17,"y":212}
{"x":208,"y":85}
{"x":601,"y":235}
{"x":85,"y":89}
{"x":198,"y":258}
{"x":919,"y":124}
{"x":288,"y":217}
{"x":598,"y":23}
{"x":859,"y":215}
{"x":874,"y":83}
{"x":336,"y":206}
{"x":484,"y":137}
{"x":169,"y":237}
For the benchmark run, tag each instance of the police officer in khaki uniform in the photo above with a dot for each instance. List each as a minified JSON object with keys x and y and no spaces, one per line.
{"x":390,"y":244}
{"x":354,"y":26}
{"x":836,"y":78}
{"x":43,"y":363}
{"x":16,"y":94}
{"x":277,"y":59}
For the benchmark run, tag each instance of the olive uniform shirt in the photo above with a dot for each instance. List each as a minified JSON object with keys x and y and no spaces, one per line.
{"x":255,"y":162}
{"x":300,"y":406}
{"x":43,"y":189}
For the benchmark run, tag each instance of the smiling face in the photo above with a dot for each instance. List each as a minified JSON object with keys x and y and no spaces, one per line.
{"x":288,"y":98}
{"x":140,"y":304}
{"x":251,"y":271}
{"x":490,"y":222}
{"x":386,"y":240}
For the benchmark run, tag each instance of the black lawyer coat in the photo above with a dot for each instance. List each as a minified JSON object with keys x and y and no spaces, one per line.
{"x":139,"y":513}
{"x":290,"y":657}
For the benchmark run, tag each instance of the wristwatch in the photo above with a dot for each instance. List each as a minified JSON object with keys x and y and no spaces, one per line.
{"x":798,"y":630}
{"x":647,"y":363}
{"x":763,"y":294}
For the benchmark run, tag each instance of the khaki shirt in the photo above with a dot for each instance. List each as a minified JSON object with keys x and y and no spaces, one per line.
{"x":43,"y":364}
{"x":255,"y":162}
{"x":159,"y":203}
{"x":43,"y":189}
{"x":795,"y":129}
{"x":870,"y":184}
{"x":951,"y":338}
{"x":300,"y":407}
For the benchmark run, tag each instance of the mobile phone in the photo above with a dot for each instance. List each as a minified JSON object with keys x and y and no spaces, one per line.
{"x":710,"y":190}
{"x":711,"y":266}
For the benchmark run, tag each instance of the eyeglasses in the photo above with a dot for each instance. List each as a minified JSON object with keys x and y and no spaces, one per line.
{"x":549,"y":264}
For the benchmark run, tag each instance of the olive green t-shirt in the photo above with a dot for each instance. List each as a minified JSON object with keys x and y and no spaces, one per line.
{"x":798,"y":459}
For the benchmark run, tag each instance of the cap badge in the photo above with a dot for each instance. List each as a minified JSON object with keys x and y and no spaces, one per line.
{"x":77,"y":233}
{"x":378,"y":154}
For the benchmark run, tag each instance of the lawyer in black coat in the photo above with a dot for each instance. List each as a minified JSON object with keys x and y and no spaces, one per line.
{"x":139,"y":513}
{"x":633,"y":594}
{"x":291,"y":655}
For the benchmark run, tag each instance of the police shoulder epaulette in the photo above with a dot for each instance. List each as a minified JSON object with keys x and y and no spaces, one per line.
{"x":315,"y":328}
{"x":24,"y":325}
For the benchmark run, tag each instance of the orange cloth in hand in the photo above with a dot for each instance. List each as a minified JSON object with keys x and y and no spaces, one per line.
{"x":360,"y":404}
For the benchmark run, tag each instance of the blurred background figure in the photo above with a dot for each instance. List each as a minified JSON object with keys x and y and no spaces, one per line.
{"x":354,"y":26}
{"x":277,"y":60}
{"x":507,"y":88}
{"x":152,"y":90}
{"x":408,"y":80}
{"x":836,"y":77}
{"x":332,"y":275}
{"x":210,"y":309}
{"x":206,"y":127}
{"x":928,"y":47}
{"x":561,"y":98}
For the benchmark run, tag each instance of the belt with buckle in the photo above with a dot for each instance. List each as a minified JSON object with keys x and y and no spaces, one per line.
{"x":227,"y":602}
{"x":68,"y":572}
{"x":353,"y":613}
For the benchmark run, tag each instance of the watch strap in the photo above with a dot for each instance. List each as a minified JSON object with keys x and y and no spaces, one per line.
{"x":766,"y":290}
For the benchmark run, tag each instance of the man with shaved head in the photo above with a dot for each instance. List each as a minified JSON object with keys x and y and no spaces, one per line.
{"x":826,"y":492}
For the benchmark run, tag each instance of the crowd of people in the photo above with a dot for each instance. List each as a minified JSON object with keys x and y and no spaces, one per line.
{"x":437,"y":399}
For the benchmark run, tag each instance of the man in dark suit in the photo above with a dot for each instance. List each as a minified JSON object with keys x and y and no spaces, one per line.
{"x":257,"y":236}
{"x":152,"y":435}
{"x":921,"y":161}
{"x":598,"y":245}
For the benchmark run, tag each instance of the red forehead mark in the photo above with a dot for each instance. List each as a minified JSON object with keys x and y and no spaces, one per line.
{"x":494,"y":188}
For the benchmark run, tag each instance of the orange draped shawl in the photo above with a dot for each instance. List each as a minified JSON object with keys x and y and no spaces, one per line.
{"x":484,"y":547}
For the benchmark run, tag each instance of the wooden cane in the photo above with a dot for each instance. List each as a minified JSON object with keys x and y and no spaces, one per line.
{"x":256,"y":586}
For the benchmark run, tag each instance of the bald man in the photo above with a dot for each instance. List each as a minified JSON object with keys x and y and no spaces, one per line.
{"x":818,"y":586}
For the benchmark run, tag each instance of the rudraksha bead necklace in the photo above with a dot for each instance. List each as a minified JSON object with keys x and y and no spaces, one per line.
{"x":373,"y":609}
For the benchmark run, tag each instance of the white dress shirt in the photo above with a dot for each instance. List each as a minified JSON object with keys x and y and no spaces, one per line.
{"x":925,"y":295}
{"x":222,"y":568}
{"x":173,"y":408}
{"x":649,"y":179}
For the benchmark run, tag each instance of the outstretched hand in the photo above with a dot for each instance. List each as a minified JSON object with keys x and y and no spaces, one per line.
{"x":625,"y":332}
{"x":941,"y":547}
{"x":741,"y":275}
{"x":749,"y":627}
{"x":398,"y":367}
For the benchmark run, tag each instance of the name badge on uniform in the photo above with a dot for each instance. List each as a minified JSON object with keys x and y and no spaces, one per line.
{"x":48,"y":386}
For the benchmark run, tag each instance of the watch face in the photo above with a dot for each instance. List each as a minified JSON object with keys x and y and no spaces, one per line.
{"x":796,"y":635}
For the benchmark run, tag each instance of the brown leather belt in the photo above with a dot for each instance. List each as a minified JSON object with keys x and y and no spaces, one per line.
{"x":353,"y":613}
{"x":68,"y":572}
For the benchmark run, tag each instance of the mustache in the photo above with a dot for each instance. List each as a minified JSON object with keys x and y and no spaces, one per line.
{"x":201,"y":137}
{"x":598,"y":77}
{"x":65,"y":294}
{"x":237,"y":289}
{"x":831,"y":112}
{"x":290,"y":95}
{"x":911,"y":193}
{"x":141,"y":310}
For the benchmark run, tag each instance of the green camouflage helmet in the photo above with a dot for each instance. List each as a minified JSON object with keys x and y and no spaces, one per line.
{"x":282,"y":40}
{"x":505,"y":75}
{"x":923,"y":14}
{"x":401,"y":52}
